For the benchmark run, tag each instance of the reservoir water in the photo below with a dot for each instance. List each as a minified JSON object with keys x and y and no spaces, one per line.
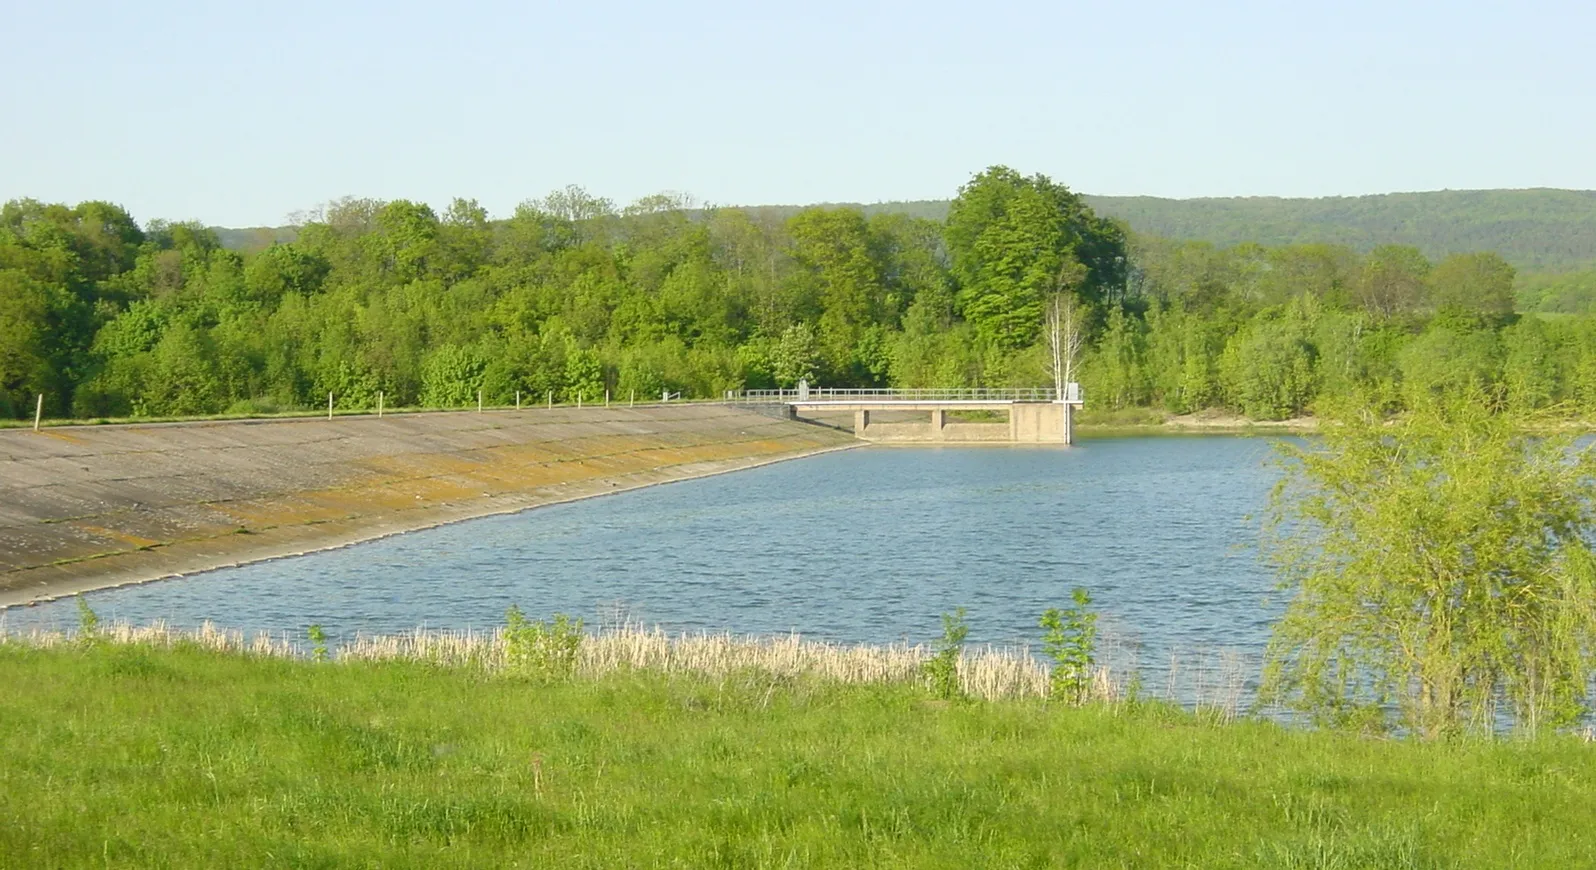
{"x":866,"y":545}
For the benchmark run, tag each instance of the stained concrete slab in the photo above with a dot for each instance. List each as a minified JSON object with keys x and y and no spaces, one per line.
{"x":84,"y":507}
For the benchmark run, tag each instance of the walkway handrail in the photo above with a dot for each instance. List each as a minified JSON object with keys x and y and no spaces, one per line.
{"x":1072,"y":393}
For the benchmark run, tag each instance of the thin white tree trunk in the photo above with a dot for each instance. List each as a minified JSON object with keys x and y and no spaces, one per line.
{"x":1064,"y":341}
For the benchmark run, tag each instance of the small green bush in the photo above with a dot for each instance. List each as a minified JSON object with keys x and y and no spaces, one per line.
{"x":1070,"y":639}
{"x":542,"y":649}
{"x":318,"y":639}
{"x":942,"y":669}
{"x":88,"y":622}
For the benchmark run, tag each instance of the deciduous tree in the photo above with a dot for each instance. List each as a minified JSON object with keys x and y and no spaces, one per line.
{"x":1439,"y":573}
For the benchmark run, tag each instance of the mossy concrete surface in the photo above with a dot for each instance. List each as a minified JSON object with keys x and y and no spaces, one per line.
{"x":86,"y":507}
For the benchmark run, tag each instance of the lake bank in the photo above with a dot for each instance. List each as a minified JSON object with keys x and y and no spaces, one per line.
{"x":147,"y":756}
{"x":1141,"y":421}
{"x":91,"y":507}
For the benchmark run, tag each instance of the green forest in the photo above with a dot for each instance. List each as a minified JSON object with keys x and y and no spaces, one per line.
{"x":1548,"y":235}
{"x":1535,"y":230}
{"x":1539,"y":231}
{"x":572,"y":296}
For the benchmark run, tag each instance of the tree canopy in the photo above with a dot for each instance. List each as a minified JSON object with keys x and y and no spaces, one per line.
{"x":1440,"y":573}
{"x":572,"y":295}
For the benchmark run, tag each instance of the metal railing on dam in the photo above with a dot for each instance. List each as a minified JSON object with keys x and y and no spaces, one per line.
{"x":1072,"y":395}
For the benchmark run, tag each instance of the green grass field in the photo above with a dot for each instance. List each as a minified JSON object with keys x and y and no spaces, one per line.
{"x":137,"y":756}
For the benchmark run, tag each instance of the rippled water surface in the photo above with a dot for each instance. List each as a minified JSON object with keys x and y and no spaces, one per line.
{"x":863,"y":545}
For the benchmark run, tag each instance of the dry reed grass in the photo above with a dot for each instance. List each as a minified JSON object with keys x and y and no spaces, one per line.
{"x":988,"y":673}
{"x":1209,"y":681}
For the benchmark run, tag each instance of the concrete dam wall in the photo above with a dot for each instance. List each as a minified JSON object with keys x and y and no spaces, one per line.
{"x":85,"y":507}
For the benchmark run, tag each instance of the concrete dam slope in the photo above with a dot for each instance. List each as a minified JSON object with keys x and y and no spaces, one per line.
{"x":86,"y":507}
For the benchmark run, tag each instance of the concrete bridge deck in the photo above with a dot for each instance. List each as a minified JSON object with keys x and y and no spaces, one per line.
{"x":1034,"y":415}
{"x":908,"y":405}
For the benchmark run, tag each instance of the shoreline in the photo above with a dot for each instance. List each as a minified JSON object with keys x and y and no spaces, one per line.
{"x":749,"y":751}
{"x":1178,"y":426}
{"x":1194,"y":424}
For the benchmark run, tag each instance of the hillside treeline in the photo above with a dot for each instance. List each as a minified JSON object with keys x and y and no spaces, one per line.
{"x":572,"y":296}
{"x":1541,"y":230}
{"x":1548,"y":235}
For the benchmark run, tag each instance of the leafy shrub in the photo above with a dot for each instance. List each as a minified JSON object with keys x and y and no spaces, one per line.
{"x":450,"y":377}
{"x":1440,"y":570}
{"x":542,"y":649}
{"x":318,"y":639}
{"x":942,"y":669}
{"x":88,"y":622}
{"x":1071,"y":640}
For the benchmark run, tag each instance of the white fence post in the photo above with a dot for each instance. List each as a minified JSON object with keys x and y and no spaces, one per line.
{"x":38,"y":412}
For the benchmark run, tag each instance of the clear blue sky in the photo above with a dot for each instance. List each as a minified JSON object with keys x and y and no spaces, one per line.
{"x":240,"y":113}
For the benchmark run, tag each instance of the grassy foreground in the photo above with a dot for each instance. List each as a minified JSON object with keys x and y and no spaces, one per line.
{"x":121,"y":755}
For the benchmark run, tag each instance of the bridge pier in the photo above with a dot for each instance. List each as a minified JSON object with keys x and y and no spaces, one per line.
{"x":939,"y":419}
{"x":1041,"y":423}
{"x":861,"y":422}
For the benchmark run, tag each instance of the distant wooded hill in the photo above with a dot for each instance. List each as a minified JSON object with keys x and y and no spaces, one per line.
{"x":252,"y":238}
{"x":1546,"y":233}
{"x":1549,"y":235}
{"x":1540,"y":230}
